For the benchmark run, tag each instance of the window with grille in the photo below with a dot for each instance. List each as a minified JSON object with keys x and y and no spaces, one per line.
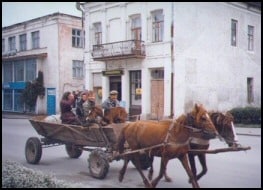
{"x":77,"y":69}
{"x":22,"y":42}
{"x":157,"y":26}
{"x":234,"y":32}
{"x":250,"y":34}
{"x":12,"y":43}
{"x":77,"y":40}
{"x":35,"y":39}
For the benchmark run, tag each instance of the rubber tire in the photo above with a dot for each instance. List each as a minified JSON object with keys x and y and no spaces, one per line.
{"x":144,"y":160}
{"x":33,"y":150}
{"x":72,"y":151}
{"x":98,"y":164}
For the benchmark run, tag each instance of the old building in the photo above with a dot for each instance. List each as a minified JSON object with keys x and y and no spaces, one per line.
{"x":163,"y":57}
{"x":53,"y":44}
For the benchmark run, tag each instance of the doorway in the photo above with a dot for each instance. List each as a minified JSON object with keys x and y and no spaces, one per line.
{"x":115,"y":84}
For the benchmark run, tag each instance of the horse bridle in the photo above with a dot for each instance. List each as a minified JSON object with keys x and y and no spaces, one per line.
{"x":194,"y":130}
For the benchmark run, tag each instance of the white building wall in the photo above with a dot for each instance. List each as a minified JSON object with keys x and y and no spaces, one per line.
{"x":207,"y":69}
{"x":211,"y":70}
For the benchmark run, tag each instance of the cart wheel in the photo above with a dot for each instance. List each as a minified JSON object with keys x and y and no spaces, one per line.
{"x":33,"y":150}
{"x":72,"y":151}
{"x":145,"y":161}
{"x":98,"y":164}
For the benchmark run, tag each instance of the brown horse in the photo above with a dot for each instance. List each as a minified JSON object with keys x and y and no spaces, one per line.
{"x":172,"y":136}
{"x":224,"y":124}
{"x":94,"y":113}
{"x":115,"y":115}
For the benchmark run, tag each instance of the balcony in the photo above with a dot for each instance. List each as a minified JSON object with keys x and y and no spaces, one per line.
{"x":119,"y":50}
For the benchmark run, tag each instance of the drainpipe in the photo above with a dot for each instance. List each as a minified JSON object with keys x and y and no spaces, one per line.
{"x":172,"y":63}
{"x":78,"y":4}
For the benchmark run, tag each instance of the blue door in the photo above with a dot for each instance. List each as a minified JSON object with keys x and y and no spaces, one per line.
{"x":51,"y":101}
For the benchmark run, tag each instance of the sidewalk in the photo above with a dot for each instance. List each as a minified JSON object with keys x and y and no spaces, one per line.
{"x":10,"y":115}
{"x":239,"y":130}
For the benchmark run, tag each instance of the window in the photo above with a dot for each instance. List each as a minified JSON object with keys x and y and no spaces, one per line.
{"x":19,"y":71}
{"x":35,"y":40}
{"x":12,"y":43}
{"x":234,"y":32}
{"x":76,"y":38}
{"x":3,"y":45}
{"x":30,"y":69}
{"x":18,"y":103}
{"x":98,"y":33}
{"x":157,"y":74}
{"x":8,"y":71}
{"x":250,"y":34}
{"x":22,"y":42}
{"x":250,"y":94}
{"x":157,"y":26}
{"x":136,"y":28}
{"x":8,"y":102}
{"x":77,"y":69}
{"x":136,"y":91}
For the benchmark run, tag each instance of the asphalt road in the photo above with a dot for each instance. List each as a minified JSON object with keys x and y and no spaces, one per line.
{"x":225,"y":170}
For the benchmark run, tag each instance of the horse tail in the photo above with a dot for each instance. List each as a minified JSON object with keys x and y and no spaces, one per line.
{"x":121,"y":140}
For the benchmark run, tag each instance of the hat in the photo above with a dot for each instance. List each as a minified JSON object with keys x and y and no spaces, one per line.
{"x":113,"y":92}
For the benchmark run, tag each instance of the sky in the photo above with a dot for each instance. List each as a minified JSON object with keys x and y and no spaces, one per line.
{"x":16,"y":12}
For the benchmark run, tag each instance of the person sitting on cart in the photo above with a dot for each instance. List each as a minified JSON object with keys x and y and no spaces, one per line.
{"x":89,"y":104}
{"x":111,"y":101}
{"x":67,"y":115}
{"x":79,"y":109}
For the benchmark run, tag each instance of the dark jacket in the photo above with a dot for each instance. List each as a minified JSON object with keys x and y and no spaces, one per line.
{"x":79,"y":109}
{"x":67,"y":116}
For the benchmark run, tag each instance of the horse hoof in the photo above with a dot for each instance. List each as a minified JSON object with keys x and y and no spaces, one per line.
{"x":120,"y":178}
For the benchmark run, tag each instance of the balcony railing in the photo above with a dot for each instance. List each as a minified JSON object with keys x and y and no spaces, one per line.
{"x":119,"y":50}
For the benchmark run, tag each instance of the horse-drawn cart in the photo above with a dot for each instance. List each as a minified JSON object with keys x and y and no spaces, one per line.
{"x":99,"y":140}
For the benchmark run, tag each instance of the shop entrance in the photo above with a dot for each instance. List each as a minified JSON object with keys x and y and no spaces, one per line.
{"x":115,"y":84}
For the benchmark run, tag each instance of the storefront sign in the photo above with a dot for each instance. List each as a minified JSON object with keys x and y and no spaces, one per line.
{"x":112,"y":73}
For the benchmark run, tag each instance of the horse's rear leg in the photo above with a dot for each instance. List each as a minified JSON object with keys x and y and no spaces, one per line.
{"x":202,"y":159}
{"x":150,"y":174}
{"x":123,"y":170}
{"x":184,"y":161}
{"x":164,"y":162}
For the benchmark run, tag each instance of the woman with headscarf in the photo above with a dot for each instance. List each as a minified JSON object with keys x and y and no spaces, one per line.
{"x":67,"y":115}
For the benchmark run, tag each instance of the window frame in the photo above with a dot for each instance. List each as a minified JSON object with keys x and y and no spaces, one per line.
{"x":157,"y":26}
{"x":234,"y":27}
{"x":250,"y":34}
{"x":35,"y":39}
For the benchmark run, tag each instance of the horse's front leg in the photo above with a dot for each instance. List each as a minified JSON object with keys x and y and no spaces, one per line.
{"x":123,"y":170}
{"x":192,"y":164}
{"x":202,"y":159}
{"x":166,"y":177}
{"x":184,"y":161}
{"x":164,"y":162}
